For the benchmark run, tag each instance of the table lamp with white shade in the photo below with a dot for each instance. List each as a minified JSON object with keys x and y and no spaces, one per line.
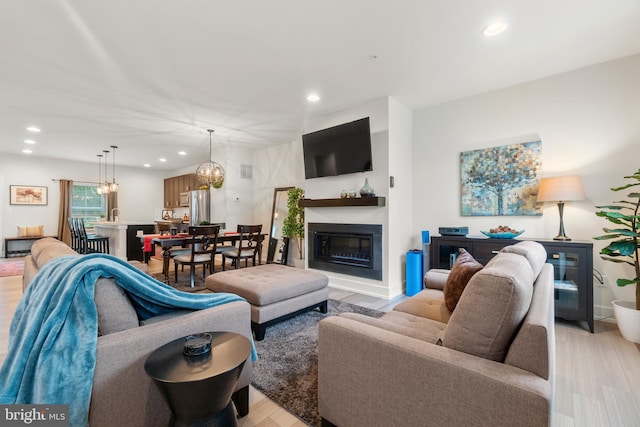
{"x":560,"y":189}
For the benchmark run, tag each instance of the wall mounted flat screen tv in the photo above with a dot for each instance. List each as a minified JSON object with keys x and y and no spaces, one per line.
{"x":338,"y":150}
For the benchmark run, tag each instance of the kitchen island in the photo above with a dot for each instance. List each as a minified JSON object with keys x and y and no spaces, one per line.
{"x":123,"y":242}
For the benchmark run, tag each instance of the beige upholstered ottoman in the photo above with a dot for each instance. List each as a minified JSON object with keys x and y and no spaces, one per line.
{"x":276,"y":292}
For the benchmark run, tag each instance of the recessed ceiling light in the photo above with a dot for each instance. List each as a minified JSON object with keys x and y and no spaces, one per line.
{"x":33,"y":129}
{"x":182,"y":153}
{"x":494,"y":28}
{"x":27,"y":151}
{"x":29,"y":141}
{"x":147,"y":165}
{"x":313,"y":97}
{"x":163,"y":159}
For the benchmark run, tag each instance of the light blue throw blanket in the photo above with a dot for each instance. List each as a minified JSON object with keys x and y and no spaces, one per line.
{"x":54,"y":331}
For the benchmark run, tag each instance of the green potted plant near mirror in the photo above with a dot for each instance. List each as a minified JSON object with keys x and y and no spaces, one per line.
{"x":624,"y":249}
{"x":293,"y":226}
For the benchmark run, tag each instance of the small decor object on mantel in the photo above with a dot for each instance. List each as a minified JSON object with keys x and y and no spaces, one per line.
{"x":343,"y":194}
{"x":366,"y":190}
{"x":352,"y":194}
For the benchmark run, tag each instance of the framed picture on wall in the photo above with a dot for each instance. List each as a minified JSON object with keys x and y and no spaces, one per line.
{"x":501,"y":180}
{"x":28,"y":195}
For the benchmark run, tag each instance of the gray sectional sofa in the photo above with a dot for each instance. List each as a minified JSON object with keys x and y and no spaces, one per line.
{"x":490,"y":362}
{"x":123,"y":395}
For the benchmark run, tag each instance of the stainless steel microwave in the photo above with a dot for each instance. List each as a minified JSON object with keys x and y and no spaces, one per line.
{"x":184,"y":199}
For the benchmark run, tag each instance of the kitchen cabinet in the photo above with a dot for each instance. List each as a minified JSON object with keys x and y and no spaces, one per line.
{"x":178,"y":184}
{"x":572,"y":264}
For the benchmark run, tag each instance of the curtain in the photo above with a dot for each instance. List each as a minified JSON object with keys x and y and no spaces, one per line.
{"x":64,"y":212}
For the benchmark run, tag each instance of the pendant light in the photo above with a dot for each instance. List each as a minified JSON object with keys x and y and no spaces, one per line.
{"x":99,"y":189}
{"x":114,"y":185}
{"x":105,"y":186}
{"x":210,"y":173}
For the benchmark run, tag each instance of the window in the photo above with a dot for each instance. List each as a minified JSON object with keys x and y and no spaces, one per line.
{"x":87,"y":204}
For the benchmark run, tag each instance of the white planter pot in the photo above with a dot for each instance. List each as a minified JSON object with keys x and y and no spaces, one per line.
{"x":628,"y":319}
{"x":298,"y":263}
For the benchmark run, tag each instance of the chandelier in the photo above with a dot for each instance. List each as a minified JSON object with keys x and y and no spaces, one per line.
{"x":107,"y":187}
{"x":100,"y":186}
{"x":210,"y":173}
{"x":114,"y":185}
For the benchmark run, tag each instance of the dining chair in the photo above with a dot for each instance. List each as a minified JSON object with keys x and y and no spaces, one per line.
{"x":165,"y":228}
{"x":202,"y":249}
{"x":249,"y":246}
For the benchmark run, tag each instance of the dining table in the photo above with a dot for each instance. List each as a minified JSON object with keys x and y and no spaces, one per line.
{"x":168,"y":241}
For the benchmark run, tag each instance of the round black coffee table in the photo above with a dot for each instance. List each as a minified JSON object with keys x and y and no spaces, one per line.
{"x":198,"y":388}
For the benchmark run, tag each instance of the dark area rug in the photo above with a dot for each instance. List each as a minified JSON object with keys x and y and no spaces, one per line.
{"x":183,"y":284}
{"x":287,"y":366}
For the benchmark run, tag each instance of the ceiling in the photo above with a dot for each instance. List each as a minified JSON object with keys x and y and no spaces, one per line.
{"x":151,"y":76}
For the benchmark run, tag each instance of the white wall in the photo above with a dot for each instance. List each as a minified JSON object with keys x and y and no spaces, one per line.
{"x":400,"y":231}
{"x":234,"y":203}
{"x":274,"y":167}
{"x":391,"y":149}
{"x":589,"y":124}
{"x":139,"y":193}
{"x":330,"y":187}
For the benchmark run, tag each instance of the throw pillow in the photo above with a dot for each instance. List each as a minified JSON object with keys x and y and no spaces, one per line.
{"x":462,"y":271}
{"x":31,"y":231}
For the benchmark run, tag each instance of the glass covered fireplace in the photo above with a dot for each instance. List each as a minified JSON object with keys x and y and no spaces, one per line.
{"x":353,"y":249}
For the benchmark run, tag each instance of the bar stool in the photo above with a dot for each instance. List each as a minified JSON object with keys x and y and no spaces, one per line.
{"x":75,"y":236}
{"x":90,"y":243}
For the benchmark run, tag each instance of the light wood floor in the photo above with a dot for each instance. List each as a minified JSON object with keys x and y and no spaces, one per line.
{"x":597,"y":375}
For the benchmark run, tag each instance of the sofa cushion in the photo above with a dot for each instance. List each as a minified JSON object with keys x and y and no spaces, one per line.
{"x":402,"y":323}
{"x":115,"y":311}
{"x":534,"y":252}
{"x":492,"y":307}
{"x":428,"y":303}
{"x":462,"y":271}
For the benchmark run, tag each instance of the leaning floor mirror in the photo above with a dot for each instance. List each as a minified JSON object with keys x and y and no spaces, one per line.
{"x":278,"y":244}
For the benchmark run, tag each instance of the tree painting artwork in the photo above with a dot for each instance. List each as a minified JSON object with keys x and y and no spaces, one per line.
{"x":501,"y":180}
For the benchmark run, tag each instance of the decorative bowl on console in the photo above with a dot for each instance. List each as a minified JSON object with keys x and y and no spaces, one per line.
{"x":502,"y":235}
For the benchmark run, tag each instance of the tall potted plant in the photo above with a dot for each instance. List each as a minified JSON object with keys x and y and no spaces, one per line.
{"x":625,"y":248}
{"x":293,"y":226}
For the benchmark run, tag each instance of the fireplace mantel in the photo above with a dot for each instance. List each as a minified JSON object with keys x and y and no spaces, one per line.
{"x":349,"y":201}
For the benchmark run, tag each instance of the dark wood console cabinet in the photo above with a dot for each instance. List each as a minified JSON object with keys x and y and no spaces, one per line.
{"x":572,"y":263}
